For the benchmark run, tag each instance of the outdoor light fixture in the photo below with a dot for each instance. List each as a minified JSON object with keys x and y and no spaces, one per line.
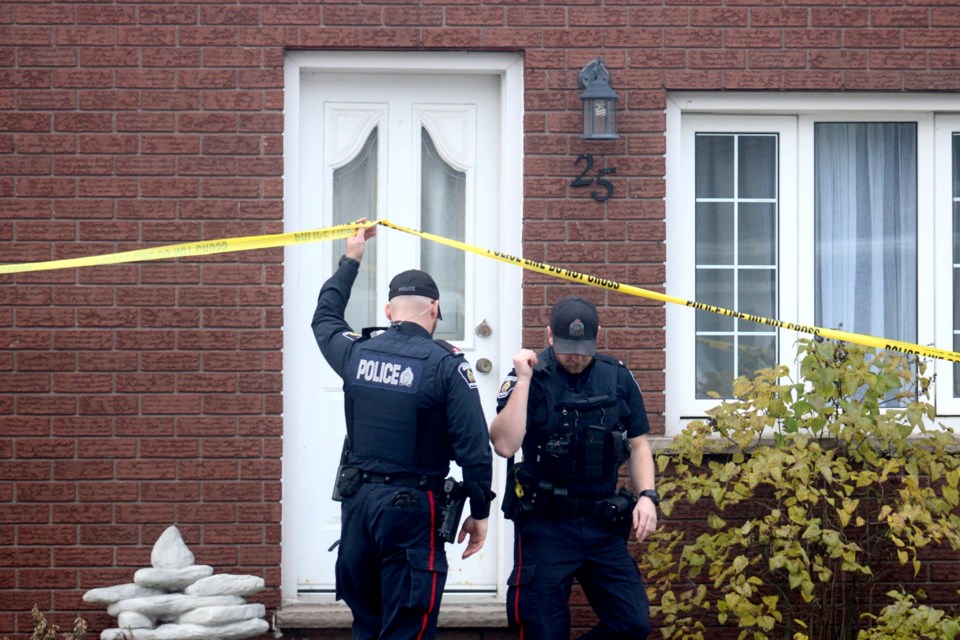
{"x":599,"y":103}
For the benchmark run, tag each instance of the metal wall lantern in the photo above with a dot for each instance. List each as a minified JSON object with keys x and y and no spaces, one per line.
{"x":599,"y":103}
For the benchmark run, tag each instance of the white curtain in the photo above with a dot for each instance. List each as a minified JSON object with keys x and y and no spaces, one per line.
{"x":866,"y":227}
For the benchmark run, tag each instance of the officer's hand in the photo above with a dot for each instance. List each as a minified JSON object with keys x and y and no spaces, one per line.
{"x":477,"y":530}
{"x":524,"y":362}
{"x":644,"y":518}
{"x":357,"y":243}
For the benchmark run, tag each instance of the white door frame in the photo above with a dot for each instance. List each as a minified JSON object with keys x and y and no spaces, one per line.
{"x":510,"y":69}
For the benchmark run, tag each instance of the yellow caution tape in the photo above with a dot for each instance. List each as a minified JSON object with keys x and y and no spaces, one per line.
{"x":192,"y":249}
{"x":574,"y":276}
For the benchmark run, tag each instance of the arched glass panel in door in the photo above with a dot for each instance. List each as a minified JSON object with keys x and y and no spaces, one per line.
{"x":355,"y":196}
{"x":443,"y":210}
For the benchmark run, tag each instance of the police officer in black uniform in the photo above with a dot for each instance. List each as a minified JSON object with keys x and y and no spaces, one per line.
{"x":578,"y":415}
{"x":411,"y":406}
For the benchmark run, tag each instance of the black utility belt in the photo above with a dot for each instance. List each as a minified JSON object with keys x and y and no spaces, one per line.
{"x":427,"y":483}
{"x":555,"y":501}
{"x":526,"y":494}
{"x":562,"y":504}
{"x":349,"y":480}
{"x":450,"y":492}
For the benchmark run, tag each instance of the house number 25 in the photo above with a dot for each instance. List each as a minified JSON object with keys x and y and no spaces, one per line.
{"x":583,"y":180}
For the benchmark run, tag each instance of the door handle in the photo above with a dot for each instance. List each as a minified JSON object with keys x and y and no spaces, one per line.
{"x":484,"y":365}
{"x":483,"y":329}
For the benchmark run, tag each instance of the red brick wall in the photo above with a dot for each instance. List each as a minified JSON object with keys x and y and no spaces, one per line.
{"x":136,"y":396}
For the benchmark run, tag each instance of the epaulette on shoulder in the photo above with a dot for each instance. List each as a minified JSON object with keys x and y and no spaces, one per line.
{"x":609,"y":359}
{"x":453,"y":349}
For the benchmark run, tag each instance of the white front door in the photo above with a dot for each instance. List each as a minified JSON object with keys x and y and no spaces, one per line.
{"x":421,"y":150}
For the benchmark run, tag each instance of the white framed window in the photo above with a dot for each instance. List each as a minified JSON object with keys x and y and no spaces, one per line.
{"x":824,"y":210}
{"x":947,"y":249}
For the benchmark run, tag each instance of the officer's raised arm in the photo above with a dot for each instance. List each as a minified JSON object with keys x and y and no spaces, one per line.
{"x":329,"y":327}
{"x":510,"y":425}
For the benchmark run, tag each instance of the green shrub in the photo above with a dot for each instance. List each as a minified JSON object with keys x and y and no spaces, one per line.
{"x":904,"y":619}
{"x":819,"y":494}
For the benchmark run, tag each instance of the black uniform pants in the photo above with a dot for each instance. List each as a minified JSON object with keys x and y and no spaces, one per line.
{"x":391,"y":566}
{"x":548,"y":553}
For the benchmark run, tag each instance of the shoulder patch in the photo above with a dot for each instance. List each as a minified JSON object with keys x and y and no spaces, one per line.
{"x":507,"y":387}
{"x":351,"y":335}
{"x":467,"y":374}
{"x":453,"y":349}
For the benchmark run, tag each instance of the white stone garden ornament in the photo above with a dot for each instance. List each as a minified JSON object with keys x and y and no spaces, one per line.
{"x":176,"y":599}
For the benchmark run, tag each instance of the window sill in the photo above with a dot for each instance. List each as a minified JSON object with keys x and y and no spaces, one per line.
{"x":474,"y":611}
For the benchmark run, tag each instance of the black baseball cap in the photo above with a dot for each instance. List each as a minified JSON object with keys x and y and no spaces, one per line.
{"x":414,"y":282}
{"x":574,"y":323}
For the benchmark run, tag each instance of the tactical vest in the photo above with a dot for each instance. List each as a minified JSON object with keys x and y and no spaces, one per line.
{"x":394,"y":408}
{"x":582,"y":444}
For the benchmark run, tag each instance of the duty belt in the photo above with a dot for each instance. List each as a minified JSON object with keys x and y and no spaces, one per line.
{"x":555,"y":500}
{"x":546,"y":498}
{"x":426,"y":483}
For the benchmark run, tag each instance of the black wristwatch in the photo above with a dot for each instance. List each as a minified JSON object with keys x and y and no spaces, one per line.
{"x":652,"y":494}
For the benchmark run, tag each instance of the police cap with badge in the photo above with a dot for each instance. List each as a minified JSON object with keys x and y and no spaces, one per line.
{"x":414,"y":282}
{"x":574,"y":323}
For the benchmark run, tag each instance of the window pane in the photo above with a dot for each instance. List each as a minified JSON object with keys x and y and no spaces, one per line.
{"x":355,"y":196}
{"x":956,"y":224}
{"x":956,"y":257}
{"x":756,"y":295}
{"x":956,"y":299}
{"x":715,"y":287}
{"x":756,"y":231}
{"x":714,"y":166}
{"x":755,"y":353}
{"x":865,"y":199}
{"x":714,"y":233}
{"x":956,"y":377}
{"x":757,"y":177}
{"x":956,"y":168}
{"x":443,"y":211}
{"x":736,"y":232}
{"x":715,"y":366}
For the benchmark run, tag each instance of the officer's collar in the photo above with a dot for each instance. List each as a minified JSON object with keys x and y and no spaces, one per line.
{"x":411,"y":328}
{"x":546,"y":361}
{"x":367,"y":332}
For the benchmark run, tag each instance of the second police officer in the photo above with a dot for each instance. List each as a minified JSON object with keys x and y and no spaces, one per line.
{"x":411,"y":406}
{"x":577,"y":415}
